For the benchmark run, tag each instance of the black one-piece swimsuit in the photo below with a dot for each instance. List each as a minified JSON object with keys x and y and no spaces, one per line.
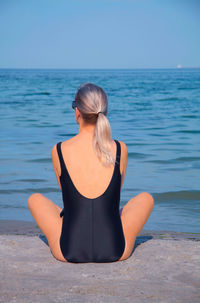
{"x":91,"y":230}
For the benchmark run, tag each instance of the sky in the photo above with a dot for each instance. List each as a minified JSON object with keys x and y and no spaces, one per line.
{"x":99,"y":34}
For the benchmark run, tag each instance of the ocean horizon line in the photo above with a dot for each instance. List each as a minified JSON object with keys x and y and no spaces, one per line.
{"x":96,"y":68}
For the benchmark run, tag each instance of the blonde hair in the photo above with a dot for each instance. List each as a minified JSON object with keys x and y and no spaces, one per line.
{"x":92,"y":102}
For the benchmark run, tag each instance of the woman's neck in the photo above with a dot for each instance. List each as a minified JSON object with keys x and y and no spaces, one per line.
{"x":86,"y":130}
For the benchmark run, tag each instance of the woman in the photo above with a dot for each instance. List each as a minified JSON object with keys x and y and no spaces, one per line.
{"x":90,"y":169}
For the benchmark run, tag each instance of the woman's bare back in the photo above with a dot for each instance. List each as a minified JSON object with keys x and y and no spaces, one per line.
{"x":88,"y":174}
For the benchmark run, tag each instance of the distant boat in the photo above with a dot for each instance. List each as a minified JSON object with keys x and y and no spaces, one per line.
{"x":179,"y":66}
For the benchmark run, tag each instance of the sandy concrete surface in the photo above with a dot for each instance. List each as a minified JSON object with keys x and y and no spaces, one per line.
{"x":164,"y":268}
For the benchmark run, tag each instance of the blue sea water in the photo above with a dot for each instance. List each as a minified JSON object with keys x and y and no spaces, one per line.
{"x":154,"y":111}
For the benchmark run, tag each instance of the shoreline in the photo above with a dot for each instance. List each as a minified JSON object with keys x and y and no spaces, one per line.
{"x":29,"y":228}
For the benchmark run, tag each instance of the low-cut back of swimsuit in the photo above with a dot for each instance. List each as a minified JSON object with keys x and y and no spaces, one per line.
{"x":91,"y":229}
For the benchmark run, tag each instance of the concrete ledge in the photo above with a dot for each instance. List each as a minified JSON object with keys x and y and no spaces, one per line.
{"x":159,"y":270}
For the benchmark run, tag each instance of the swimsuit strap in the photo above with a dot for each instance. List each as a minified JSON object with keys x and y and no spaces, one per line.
{"x":118,"y":152}
{"x":62,"y":163}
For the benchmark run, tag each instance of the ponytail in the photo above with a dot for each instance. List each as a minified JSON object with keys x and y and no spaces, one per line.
{"x":93,"y":105}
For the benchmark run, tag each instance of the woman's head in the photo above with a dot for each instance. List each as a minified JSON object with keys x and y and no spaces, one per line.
{"x":90,"y":100}
{"x":92,"y":103}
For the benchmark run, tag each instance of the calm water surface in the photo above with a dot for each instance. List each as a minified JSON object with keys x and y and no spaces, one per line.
{"x":155,"y":112}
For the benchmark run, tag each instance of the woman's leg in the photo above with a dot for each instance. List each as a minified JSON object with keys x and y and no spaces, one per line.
{"x":47,"y":217}
{"x":134,"y":216}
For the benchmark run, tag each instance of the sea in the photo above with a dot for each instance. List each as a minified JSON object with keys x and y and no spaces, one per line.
{"x":156,"y":112}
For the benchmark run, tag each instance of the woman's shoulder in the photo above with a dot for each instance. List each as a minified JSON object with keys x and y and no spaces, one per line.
{"x":124,"y":148}
{"x":123,"y":157}
{"x":65,"y":143}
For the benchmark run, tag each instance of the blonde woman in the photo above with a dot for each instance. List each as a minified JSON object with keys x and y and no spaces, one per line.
{"x":90,"y":169}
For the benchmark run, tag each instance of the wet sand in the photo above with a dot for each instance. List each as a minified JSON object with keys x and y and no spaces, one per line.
{"x":164,"y":267}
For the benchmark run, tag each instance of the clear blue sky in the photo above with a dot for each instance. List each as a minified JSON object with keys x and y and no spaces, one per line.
{"x":99,"y":33}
